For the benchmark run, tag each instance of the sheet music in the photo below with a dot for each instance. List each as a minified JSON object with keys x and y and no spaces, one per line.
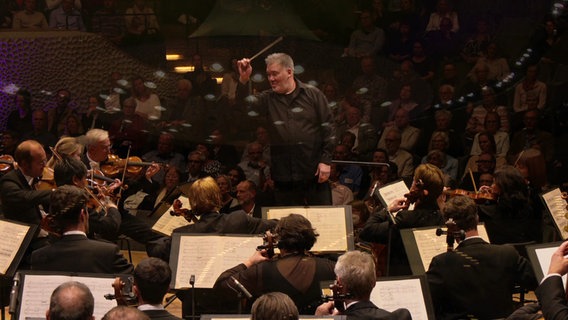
{"x":557,"y":208}
{"x":37,"y":291}
{"x":208,"y":256}
{"x":394,"y":191}
{"x":167,"y":223}
{"x":405,"y":293}
{"x":13,"y":235}
{"x":329,"y":222}
{"x":544,"y":255}
{"x":431,"y":245}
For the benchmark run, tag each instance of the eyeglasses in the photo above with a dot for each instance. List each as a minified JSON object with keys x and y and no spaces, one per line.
{"x":484,"y":161}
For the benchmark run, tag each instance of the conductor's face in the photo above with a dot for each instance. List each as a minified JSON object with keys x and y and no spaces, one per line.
{"x":280,"y":78}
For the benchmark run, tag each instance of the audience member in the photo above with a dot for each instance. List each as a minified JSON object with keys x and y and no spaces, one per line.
{"x":476,"y":44}
{"x":486,"y":163}
{"x":256,"y":168}
{"x":108,"y":22}
{"x":128,"y":130}
{"x":294,"y":272}
{"x":29,"y":18}
{"x":530,"y":93}
{"x":492,"y":125}
{"x":201,"y":80}
{"x":262,"y":138}
{"x":409,"y":135}
{"x":422,"y":61}
{"x":440,"y":141}
{"x":40,"y":132}
{"x":165,"y":155}
{"x":74,"y":252}
{"x":532,"y":137}
{"x":400,"y":47}
{"x":368,"y":40}
{"x":246,"y":195}
{"x":141,"y":22}
{"x":66,"y":17}
{"x":369,"y":85}
{"x":497,"y":65}
{"x":20,"y":119}
{"x":486,"y":144}
{"x":456,"y":278}
{"x":401,"y":157}
{"x":9,"y":142}
{"x":356,"y":277}
{"x":221,"y":151}
{"x":365,"y":133}
{"x":71,"y":300}
{"x":350,"y":175}
{"x":443,"y":43}
{"x":147,"y":103}
{"x":489,"y":104}
{"x":340,"y":194}
{"x":383,"y":226}
{"x":228,"y":202}
{"x":443,"y":10}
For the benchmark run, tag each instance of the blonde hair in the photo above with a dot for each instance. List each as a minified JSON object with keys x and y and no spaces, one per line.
{"x":204,"y":196}
{"x":65,"y":147}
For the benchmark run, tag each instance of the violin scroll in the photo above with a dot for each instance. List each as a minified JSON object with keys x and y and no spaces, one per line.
{"x":338,"y":296}
{"x":453,"y":233}
{"x":269,"y":242}
{"x":178,"y":210}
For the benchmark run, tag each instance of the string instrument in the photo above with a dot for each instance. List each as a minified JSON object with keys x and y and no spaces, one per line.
{"x":415,"y":193}
{"x":478,"y":197}
{"x":338,"y":296}
{"x":46,"y":181}
{"x":268,"y":243}
{"x":123,"y":292}
{"x":6,"y":163}
{"x":132,"y":166}
{"x":453,"y":233}
{"x":184,"y":212}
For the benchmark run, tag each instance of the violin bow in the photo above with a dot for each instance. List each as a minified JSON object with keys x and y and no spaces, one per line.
{"x":123,"y":173}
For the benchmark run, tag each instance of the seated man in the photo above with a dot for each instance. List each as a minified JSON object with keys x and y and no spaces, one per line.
{"x":477,"y":279}
{"x":551,"y":293}
{"x":355,"y":271}
{"x":383,"y":226}
{"x":152,"y":278}
{"x":71,"y":300}
{"x":294,"y":272}
{"x":74,"y":252}
{"x":274,"y":305}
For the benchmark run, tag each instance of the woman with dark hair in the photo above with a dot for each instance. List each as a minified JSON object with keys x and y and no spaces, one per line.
{"x":511,"y":219}
{"x":486,"y":145}
{"x":294,"y":271}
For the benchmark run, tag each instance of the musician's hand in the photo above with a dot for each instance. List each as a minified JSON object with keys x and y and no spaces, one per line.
{"x":398,"y":204}
{"x":323,"y":172}
{"x":245,"y":70}
{"x":485,"y":189}
{"x":257,"y":257}
{"x":152,"y":170}
{"x":558,"y":261}
{"x":326,"y":309}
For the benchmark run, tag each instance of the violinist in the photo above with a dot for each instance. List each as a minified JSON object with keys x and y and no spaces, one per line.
{"x":294,"y":272}
{"x":457,"y":278}
{"x":511,"y":218}
{"x":427,"y":186}
{"x":356,"y":278}
{"x":98,"y":148}
{"x":20,"y":201}
{"x":104,"y":217}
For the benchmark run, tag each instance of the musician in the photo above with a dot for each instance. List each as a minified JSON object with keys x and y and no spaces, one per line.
{"x":300,"y":150}
{"x":98,"y":148}
{"x":294,"y":272}
{"x":104,"y":217}
{"x":356,"y":277}
{"x":274,"y":305}
{"x":152,"y":278}
{"x":550,"y":292}
{"x":477,"y":279}
{"x":511,"y":218}
{"x":71,"y":300}
{"x":426,"y":188}
{"x":74,"y":252}
{"x":19,"y":199}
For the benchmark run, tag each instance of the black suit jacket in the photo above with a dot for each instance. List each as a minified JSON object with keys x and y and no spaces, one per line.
{"x":160,"y":314}
{"x":77,"y":253}
{"x":552,"y":298}
{"x":238,"y":222}
{"x":477,"y":279}
{"x":19,"y":201}
{"x":366,"y":310}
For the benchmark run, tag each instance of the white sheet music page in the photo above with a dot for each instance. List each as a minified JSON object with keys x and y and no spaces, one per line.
{"x":544,"y":255}
{"x":167,"y":223}
{"x":394,"y":191}
{"x":37,"y":291}
{"x":329,"y":222}
{"x":431,"y":245}
{"x":208,"y":256}
{"x":13,"y":235}
{"x":405,"y":293}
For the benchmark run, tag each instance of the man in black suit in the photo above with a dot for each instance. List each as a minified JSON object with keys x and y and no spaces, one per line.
{"x":19,"y":199}
{"x":152,"y":278}
{"x":477,"y":278}
{"x":551,"y":293}
{"x":356,"y":276}
{"x":74,"y":252}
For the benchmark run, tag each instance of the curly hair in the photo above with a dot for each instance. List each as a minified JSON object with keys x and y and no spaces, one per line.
{"x":295,"y":233}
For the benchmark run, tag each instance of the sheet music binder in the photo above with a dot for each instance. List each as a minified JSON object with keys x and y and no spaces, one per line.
{"x":539,"y":255}
{"x":27,"y":239}
{"x":556,"y":208}
{"x":50,"y":280}
{"x":339,"y":247}
{"x":399,"y":298}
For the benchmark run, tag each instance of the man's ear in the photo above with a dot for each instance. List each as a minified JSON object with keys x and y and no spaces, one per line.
{"x":425,"y":191}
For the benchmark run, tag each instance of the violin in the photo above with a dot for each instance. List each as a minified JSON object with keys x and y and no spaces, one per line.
{"x":415,"y":193}
{"x":268,"y":244}
{"x":132,"y":166}
{"x":478,"y":197}
{"x":184,"y":212}
{"x":46,"y":181}
{"x":123,"y":291}
{"x":338,"y":296}
{"x":6,"y":163}
{"x":453,"y":233}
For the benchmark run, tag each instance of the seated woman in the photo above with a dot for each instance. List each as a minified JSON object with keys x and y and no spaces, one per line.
{"x":486,"y":143}
{"x":294,"y":272}
{"x":440,"y":142}
{"x":229,"y":202}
